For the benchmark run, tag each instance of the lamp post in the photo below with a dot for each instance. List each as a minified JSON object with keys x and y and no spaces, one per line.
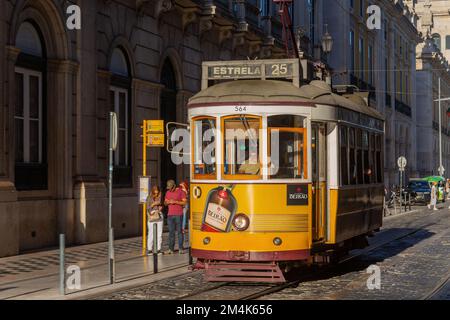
{"x":441,"y":168}
{"x":327,"y":46}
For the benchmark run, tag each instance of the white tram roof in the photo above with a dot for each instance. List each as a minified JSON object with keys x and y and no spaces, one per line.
{"x":279,"y":92}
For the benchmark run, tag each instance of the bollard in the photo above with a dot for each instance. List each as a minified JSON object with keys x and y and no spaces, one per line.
{"x":112,"y":265}
{"x":62,"y":273}
{"x":155,"y":247}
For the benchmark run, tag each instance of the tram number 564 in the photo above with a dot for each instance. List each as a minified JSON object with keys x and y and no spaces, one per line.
{"x":240,"y":109}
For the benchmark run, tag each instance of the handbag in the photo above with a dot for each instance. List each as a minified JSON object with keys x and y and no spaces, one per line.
{"x":154,"y":215}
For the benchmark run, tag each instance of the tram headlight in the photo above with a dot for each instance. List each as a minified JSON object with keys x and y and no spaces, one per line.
{"x":206,"y":241}
{"x":277,"y":241}
{"x":241,"y":222}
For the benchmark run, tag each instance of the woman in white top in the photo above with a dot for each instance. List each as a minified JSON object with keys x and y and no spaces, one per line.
{"x":433,"y":197}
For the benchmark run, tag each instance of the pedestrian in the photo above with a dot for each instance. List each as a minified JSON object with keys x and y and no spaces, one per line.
{"x":447,"y":188}
{"x":154,"y":216}
{"x":433,"y":196}
{"x":184,"y":186}
{"x":175,"y":200}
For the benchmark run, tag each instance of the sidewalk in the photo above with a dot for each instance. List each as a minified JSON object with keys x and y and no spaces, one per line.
{"x":36,"y":275}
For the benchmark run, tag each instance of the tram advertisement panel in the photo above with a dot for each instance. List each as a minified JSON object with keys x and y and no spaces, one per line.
{"x":240,"y":207}
{"x":220,"y":209}
{"x":297,"y":195}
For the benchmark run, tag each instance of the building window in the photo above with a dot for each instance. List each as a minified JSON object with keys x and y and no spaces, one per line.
{"x":344,"y":155}
{"x":361,"y":8}
{"x":263,"y":7}
{"x":352,"y":4}
{"x":28,"y":116}
{"x":447,"y":42}
{"x":352,"y":51}
{"x":437,"y":40}
{"x":312,"y":23}
{"x":361,"y":58}
{"x":31,"y":171}
{"x":120,"y":102}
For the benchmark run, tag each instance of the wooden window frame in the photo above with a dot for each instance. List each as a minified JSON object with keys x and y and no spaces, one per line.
{"x":26,"y":118}
{"x":117,"y":91}
{"x":241,"y":176}
{"x":202,"y":176}
{"x":304,"y":131}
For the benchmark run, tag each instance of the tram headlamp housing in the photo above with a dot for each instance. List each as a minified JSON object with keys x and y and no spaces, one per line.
{"x":207,"y":241}
{"x":277,"y":241}
{"x":241,"y":222}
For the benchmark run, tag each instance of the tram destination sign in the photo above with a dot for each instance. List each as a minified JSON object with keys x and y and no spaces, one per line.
{"x":252,"y":69}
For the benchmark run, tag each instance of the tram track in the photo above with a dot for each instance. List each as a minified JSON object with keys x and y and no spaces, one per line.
{"x":443,"y":287}
{"x":227,"y":291}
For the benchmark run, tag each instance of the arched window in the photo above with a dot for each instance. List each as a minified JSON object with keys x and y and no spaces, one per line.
{"x":120,"y":104}
{"x":437,"y":40}
{"x":30,"y":110}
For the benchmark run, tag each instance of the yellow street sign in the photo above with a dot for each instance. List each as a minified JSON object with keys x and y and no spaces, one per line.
{"x":155,"y":140}
{"x":155,"y":126}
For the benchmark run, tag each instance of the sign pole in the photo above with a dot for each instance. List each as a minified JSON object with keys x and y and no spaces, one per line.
{"x":112,"y":147}
{"x":144,"y":173}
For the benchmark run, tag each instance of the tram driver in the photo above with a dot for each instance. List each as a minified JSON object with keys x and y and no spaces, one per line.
{"x":251,"y":165}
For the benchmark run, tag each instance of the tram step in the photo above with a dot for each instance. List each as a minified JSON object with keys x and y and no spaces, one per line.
{"x":243,"y":272}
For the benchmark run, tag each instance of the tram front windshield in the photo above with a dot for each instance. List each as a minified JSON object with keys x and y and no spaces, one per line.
{"x":242,"y":147}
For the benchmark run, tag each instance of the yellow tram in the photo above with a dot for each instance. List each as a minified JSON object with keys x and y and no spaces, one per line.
{"x":295,"y":174}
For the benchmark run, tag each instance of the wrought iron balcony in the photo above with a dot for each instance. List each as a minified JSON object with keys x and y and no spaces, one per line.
{"x":402,"y":108}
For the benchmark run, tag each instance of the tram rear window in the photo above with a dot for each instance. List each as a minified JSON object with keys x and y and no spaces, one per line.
{"x":204,"y":148}
{"x":242,"y":147}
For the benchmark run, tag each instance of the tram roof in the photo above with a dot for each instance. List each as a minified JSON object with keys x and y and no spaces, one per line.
{"x":275,"y":91}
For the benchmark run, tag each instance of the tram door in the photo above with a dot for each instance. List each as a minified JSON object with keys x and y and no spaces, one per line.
{"x":319,"y":180}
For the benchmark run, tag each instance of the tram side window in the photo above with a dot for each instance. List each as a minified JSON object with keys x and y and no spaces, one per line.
{"x":378,"y":159}
{"x":344,"y":157}
{"x":287,"y":147}
{"x":352,"y":156}
{"x":359,"y":157}
{"x":204,"y":148}
{"x":366,"y":155}
{"x":372,"y":155}
{"x":242,"y":152}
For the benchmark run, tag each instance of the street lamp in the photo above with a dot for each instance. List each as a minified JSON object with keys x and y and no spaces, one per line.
{"x":327,"y":41}
{"x":327,"y":45}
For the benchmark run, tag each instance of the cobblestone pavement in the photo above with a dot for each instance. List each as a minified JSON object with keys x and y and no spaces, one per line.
{"x":411,"y":267}
{"x":32,"y":265}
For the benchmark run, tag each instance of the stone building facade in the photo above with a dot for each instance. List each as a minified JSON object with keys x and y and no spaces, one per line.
{"x":141,"y":59}
{"x":382,"y":62}
{"x":433,"y":56}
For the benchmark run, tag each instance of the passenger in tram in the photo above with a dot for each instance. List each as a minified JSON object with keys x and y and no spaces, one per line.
{"x":154,"y":216}
{"x":251,"y":165}
{"x":175,"y":199}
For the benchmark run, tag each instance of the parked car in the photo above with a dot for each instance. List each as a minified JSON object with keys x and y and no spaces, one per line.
{"x":420,"y":191}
